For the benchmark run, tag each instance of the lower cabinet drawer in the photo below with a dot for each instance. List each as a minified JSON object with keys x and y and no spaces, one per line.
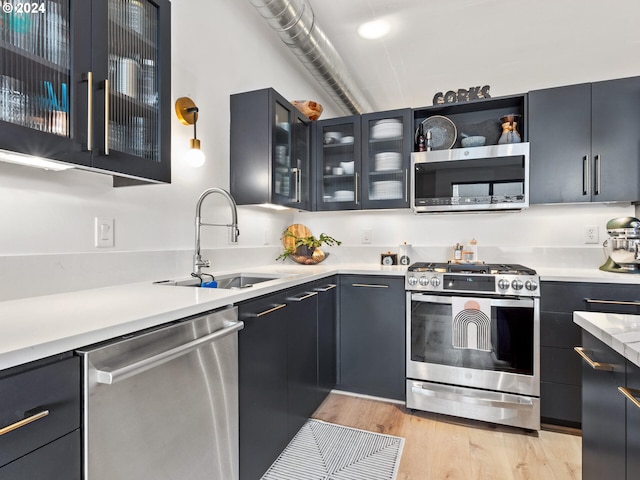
{"x":560,"y":365}
{"x":59,"y":460}
{"x":49,"y":395}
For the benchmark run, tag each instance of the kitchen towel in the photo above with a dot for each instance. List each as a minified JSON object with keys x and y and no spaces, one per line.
{"x":471,"y":323}
{"x":325,"y":451}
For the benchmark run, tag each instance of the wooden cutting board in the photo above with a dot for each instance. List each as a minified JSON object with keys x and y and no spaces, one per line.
{"x":296,"y":229}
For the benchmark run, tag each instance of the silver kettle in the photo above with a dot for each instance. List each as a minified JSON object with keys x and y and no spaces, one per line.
{"x":623,"y":246}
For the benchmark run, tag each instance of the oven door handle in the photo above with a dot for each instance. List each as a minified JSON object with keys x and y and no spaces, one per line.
{"x":495,"y":302}
{"x":473,"y":400}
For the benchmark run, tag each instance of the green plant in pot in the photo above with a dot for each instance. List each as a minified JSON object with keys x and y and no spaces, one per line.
{"x":305,"y":248}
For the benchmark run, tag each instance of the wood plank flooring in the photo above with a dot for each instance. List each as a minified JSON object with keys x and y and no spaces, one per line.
{"x":441,"y":447}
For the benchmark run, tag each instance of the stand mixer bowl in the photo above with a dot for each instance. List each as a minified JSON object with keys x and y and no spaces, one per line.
{"x":623,"y":246}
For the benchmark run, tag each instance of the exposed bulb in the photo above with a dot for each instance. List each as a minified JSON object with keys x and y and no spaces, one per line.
{"x":195,"y":157}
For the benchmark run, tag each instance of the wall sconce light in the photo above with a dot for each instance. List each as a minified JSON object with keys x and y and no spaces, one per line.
{"x":187,"y":113}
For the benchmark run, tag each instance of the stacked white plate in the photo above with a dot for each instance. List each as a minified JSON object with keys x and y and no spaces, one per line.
{"x":344,"y":196}
{"x":386,"y":190}
{"x":387,"y":161}
{"x":386,"y":129}
{"x":281,"y":155}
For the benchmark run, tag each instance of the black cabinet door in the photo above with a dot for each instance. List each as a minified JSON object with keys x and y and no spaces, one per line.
{"x":633,"y":422}
{"x":43,"y":84}
{"x":262,"y":349}
{"x":614,"y":146}
{"x":560,"y":136}
{"x":327,"y":315}
{"x":302,"y":356}
{"x":131,"y":66}
{"x":387,"y":141}
{"x":337,"y":159}
{"x":603,"y":412}
{"x":270,"y":151}
{"x":58,"y":460}
{"x":372,"y":336}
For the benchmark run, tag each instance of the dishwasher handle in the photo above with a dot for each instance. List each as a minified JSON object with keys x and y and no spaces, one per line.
{"x":109,"y":377}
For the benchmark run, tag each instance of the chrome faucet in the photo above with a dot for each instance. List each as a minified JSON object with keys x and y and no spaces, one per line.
{"x":198,"y":261}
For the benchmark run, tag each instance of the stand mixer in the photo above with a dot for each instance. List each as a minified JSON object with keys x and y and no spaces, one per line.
{"x":623,"y":246}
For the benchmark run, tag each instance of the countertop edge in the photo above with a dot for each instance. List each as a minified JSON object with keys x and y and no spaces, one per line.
{"x":621,"y":332}
{"x":39,"y":327}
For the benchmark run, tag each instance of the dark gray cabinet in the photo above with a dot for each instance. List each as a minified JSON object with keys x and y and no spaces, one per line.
{"x":363,"y":161}
{"x":302,"y":356}
{"x":270,"y":151}
{"x":327,"y":321}
{"x":262,"y":362}
{"x":97,"y":94}
{"x":603,"y":411}
{"x":633,"y":421}
{"x":280,"y":353}
{"x":560,"y":367}
{"x":584,"y":142}
{"x":372,"y":328}
{"x":47,"y":393}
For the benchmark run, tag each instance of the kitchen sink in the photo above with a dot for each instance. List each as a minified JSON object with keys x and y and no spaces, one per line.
{"x":233,"y":281}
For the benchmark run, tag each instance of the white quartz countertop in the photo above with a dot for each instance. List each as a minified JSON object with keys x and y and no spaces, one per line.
{"x":38,"y":327}
{"x":618,"y":331}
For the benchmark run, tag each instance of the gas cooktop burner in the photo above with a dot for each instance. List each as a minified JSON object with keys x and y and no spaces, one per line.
{"x":479,"y":278}
{"x":476,"y":268}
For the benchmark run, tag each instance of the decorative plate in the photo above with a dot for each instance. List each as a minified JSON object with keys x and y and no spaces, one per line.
{"x":443,"y":132}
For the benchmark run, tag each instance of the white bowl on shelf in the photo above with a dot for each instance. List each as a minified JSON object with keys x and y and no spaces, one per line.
{"x":347,"y":167}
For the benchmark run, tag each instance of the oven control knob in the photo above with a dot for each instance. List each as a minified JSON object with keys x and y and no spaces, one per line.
{"x":435,"y":282}
{"x":424,"y":281}
{"x":517,"y":284}
{"x":503,"y":284}
{"x":531,"y":285}
{"x":413,"y":281}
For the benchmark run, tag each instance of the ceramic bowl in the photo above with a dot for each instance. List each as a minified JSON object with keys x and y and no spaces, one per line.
{"x":474,"y":141}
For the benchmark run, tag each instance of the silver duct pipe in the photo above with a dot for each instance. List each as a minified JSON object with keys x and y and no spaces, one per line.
{"x":295,"y":23}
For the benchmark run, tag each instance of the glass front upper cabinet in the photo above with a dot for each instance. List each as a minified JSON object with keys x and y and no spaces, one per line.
{"x":88,"y":83}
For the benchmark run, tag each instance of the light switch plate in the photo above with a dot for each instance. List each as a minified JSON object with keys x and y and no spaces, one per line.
{"x":104,"y":232}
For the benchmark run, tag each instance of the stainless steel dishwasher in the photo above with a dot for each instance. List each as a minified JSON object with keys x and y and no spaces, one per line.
{"x":163,"y":404}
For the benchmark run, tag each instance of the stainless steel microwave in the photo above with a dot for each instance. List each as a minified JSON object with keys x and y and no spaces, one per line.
{"x":494,"y":177}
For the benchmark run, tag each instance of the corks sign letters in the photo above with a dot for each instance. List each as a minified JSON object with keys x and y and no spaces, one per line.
{"x":461,"y":95}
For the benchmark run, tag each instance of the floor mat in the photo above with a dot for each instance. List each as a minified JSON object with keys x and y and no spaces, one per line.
{"x":325,"y":451}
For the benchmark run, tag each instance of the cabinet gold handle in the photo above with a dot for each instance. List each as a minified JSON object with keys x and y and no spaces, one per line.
{"x":369,"y":285}
{"x":88,"y":77}
{"x":596,"y":159}
{"x":632,"y":394}
{"x":605,"y":367}
{"x":23,"y":422}
{"x":356,"y":188}
{"x":267,"y":312}
{"x":330,"y":286}
{"x":406,"y":184}
{"x":585,"y":175}
{"x":106,"y":117}
{"x":612,"y":302}
{"x":302,"y":297}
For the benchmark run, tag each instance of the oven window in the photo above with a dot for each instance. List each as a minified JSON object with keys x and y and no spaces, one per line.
{"x":510,"y":330}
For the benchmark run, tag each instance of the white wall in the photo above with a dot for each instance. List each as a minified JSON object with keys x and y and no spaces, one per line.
{"x":219,"y":47}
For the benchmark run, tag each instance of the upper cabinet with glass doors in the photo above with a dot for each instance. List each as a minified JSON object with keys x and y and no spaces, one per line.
{"x":362,"y":162}
{"x":88,"y":83}
{"x":270,"y":151}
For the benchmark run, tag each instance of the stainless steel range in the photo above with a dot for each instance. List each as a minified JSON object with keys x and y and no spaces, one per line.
{"x":473,"y":341}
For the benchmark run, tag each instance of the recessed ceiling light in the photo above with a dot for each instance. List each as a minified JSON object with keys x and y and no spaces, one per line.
{"x":374,"y":29}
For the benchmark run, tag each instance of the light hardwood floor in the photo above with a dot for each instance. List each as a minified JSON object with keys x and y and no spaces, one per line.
{"x":439,"y":447}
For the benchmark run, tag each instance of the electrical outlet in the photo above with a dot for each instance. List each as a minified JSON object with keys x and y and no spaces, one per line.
{"x":103,"y":232}
{"x":591,"y":234}
{"x":366,"y":235}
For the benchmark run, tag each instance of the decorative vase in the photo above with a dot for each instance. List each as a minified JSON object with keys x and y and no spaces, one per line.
{"x":510,"y":129}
